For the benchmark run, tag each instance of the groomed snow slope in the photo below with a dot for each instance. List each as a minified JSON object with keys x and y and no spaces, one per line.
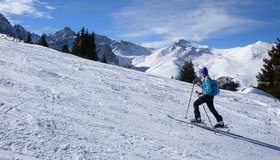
{"x":58,"y":106}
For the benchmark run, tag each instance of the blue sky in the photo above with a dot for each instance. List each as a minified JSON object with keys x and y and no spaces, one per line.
{"x":154,"y":23}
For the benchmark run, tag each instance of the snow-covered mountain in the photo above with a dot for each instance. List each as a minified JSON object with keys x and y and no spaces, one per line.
{"x":167,"y":61}
{"x":105,"y":50}
{"x":241,"y":63}
{"x":59,"y":106}
{"x":124,"y":48}
{"x":129,"y":53}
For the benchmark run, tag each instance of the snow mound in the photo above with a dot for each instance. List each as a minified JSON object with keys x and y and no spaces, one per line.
{"x":251,"y":90}
{"x":58,"y":106}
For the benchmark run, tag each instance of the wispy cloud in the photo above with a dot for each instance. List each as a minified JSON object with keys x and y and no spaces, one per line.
{"x":170,"y":20}
{"x":50,"y":7}
{"x":155,"y":44}
{"x":32,"y":8}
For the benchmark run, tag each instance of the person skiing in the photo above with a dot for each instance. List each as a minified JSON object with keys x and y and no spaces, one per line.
{"x":206,"y":97}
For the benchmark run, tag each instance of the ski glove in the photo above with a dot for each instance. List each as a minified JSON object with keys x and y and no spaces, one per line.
{"x":199,"y":93}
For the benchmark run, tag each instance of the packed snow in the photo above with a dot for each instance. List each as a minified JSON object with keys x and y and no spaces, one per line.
{"x":57,"y":106}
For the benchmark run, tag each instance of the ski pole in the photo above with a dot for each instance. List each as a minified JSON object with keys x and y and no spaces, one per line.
{"x":208,"y":116}
{"x":189,"y":102}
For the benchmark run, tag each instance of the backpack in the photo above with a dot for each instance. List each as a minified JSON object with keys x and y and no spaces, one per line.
{"x":215,"y":88}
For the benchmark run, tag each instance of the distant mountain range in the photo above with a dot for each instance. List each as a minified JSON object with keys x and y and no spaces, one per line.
{"x":67,"y":36}
{"x":240,"y":63}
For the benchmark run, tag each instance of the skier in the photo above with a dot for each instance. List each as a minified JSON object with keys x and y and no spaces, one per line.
{"x":206,"y":97}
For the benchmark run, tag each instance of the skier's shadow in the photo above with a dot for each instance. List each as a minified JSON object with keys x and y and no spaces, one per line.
{"x":250,"y":140}
{"x":235,"y":136}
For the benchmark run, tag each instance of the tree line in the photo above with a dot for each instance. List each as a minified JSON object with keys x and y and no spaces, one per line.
{"x":83,"y":46}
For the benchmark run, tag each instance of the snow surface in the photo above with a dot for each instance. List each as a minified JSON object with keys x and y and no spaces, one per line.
{"x":58,"y":106}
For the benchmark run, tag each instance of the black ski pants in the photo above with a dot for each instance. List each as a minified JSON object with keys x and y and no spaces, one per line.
{"x":209,"y":101}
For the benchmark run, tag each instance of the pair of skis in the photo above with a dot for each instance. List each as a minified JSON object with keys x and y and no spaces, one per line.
{"x":202,"y":125}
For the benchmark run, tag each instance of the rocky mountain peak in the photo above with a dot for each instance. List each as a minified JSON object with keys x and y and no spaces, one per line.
{"x":182,"y":43}
{"x":65,"y":32}
{"x":20,"y":32}
{"x":5,"y":26}
{"x":3,"y":19}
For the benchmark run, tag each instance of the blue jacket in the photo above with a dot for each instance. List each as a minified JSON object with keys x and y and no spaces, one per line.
{"x":207,"y":86}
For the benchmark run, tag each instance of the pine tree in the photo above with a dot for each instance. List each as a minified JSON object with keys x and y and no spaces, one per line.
{"x":269,"y":78}
{"x":43,"y":41}
{"x":187,"y":73}
{"x":276,"y":91}
{"x":28,"y":39}
{"x":87,"y":44}
{"x":92,"y":54}
{"x":76,"y":45}
{"x":82,"y":43}
{"x":104,"y":60}
{"x":65,"y":49}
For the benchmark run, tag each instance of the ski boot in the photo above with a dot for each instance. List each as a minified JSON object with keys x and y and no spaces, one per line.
{"x":196,"y":120}
{"x":220,"y":124}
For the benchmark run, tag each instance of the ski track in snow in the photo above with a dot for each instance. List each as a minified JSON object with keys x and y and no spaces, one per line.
{"x":57,"y":106}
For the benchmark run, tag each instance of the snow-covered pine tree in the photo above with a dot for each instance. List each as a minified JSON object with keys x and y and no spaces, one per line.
{"x":187,"y":73}
{"x":269,"y":77}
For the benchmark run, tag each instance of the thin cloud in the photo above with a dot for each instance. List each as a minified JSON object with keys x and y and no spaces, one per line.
{"x":50,"y":7}
{"x":180,"y":19}
{"x":155,"y":44}
{"x":32,"y":8}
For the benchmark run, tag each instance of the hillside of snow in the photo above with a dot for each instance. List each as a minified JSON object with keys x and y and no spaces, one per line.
{"x":241,"y":63}
{"x":58,"y":106}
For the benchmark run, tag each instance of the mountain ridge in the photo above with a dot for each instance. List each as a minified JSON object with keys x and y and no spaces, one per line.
{"x":165,"y":61}
{"x":240,"y":63}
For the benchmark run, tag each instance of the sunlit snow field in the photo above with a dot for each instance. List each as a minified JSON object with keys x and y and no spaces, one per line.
{"x":58,"y":106}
